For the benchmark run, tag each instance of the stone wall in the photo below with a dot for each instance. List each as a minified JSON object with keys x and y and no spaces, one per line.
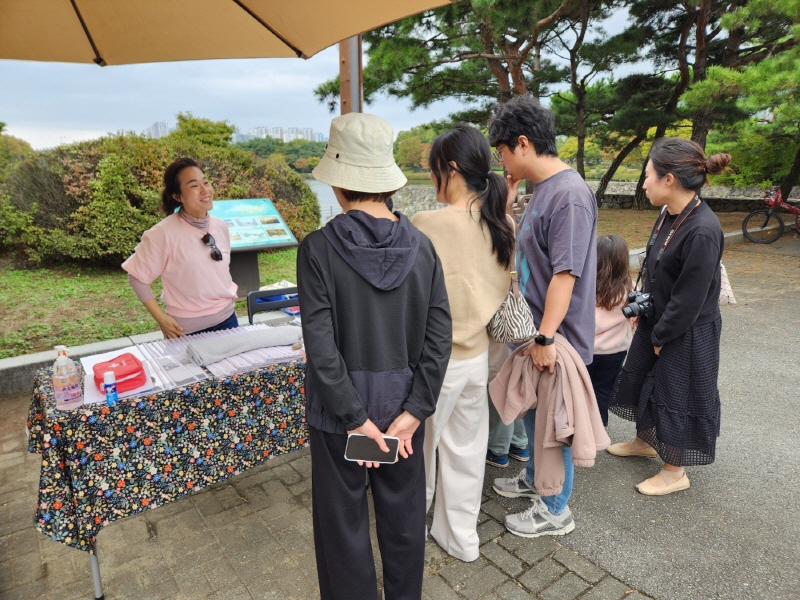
{"x":414,"y":198}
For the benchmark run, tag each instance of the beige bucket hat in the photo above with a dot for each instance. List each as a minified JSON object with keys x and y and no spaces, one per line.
{"x":359,"y":156}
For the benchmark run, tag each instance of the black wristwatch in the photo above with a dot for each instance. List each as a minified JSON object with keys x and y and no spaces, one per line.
{"x":543,"y":340}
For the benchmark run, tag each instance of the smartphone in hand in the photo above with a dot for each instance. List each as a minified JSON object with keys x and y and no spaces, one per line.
{"x":364,"y":449}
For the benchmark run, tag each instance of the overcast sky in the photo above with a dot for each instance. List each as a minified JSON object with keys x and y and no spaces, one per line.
{"x":47,"y":104}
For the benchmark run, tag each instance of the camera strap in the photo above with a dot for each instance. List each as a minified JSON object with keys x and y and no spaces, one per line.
{"x":687,"y":210}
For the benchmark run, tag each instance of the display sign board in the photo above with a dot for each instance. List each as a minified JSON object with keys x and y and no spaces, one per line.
{"x":254,"y":224}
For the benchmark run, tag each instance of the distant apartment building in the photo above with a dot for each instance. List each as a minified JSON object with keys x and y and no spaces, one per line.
{"x":260,"y":132}
{"x":291,"y":134}
{"x":157,"y":130}
{"x":285,"y":134}
{"x":238,"y":137}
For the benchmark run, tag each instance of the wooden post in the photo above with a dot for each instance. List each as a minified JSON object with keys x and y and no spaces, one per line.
{"x":350,"y":75}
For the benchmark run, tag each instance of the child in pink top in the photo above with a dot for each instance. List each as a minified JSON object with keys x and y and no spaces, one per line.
{"x":612,"y":331}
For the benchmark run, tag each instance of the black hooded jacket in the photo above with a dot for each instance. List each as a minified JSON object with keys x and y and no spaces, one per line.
{"x":376,"y":322}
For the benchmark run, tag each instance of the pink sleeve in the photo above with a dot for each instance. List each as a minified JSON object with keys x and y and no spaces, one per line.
{"x":149,"y":259}
{"x":142,"y":289}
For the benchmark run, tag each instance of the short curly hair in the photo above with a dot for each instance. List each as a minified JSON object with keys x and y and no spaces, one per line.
{"x":524,"y":115}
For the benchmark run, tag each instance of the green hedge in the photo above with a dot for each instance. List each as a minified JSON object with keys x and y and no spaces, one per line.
{"x":92,"y":201}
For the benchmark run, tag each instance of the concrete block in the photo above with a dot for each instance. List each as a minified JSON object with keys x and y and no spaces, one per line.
{"x":568,"y":587}
{"x":436,"y":588}
{"x":483,"y":582}
{"x":144,"y":338}
{"x":494,"y":509}
{"x":490,"y":530}
{"x":511,"y":590}
{"x":579,"y":565}
{"x":542,"y":575}
{"x":505,"y":561}
{"x":608,"y":589}
{"x":536,"y":549}
{"x":456,"y":573}
{"x":29,"y":591}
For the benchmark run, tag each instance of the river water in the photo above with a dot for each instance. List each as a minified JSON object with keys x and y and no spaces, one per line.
{"x":328,"y":205}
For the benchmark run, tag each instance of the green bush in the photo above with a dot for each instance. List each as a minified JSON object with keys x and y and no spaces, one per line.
{"x":92,"y":201}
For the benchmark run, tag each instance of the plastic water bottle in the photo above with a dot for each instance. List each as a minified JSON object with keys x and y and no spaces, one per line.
{"x":66,"y":381}
{"x":110,"y":386}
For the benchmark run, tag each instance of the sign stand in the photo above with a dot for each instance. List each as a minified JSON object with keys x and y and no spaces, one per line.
{"x":244,"y":271}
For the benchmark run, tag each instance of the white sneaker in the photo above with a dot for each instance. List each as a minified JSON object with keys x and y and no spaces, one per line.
{"x":538,"y":520}
{"x":515,"y":487}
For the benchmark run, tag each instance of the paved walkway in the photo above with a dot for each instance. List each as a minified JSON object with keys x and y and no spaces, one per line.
{"x":251,"y":537}
{"x":733,"y":535}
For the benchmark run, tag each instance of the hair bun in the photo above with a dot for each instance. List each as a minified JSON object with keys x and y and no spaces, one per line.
{"x":716,"y":163}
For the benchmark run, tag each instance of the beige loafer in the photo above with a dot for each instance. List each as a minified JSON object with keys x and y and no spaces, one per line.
{"x":648,"y":489}
{"x":624,"y":449}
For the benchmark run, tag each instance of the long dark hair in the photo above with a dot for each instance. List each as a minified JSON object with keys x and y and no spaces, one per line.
{"x":172,"y":183}
{"x":687,"y":161}
{"x":468,"y":149}
{"x":613,"y":271}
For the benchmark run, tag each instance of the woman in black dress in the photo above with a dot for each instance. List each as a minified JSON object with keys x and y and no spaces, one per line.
{"x":668,"y":384}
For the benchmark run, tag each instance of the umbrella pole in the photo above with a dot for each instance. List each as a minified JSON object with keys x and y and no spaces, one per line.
{"x":351,"y":86}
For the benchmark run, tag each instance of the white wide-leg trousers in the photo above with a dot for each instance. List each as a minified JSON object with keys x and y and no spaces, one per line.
{"x":459,"y":429}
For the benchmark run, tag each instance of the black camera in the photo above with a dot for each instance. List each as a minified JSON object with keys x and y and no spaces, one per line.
{"x":639,"y":303}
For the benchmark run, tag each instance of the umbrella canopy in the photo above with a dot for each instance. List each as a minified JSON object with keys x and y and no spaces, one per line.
{"x":118,"y":32}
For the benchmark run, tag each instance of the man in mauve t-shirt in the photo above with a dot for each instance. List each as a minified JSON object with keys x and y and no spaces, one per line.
{"x":557,"y":264}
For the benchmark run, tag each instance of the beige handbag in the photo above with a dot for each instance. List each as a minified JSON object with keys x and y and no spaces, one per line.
{"x":513,"y":321}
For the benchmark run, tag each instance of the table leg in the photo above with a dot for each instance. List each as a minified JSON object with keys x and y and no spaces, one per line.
{"x":98,"y":584}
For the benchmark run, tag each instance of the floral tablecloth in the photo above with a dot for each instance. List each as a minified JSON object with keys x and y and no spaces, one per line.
{"x":100,"y":464}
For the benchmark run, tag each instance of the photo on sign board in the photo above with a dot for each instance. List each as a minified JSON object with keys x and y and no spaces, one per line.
{"x":277,"y":233}
{"x":247,"y":222}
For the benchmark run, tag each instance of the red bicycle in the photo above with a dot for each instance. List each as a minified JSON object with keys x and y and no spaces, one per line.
{"x":765,"y":225}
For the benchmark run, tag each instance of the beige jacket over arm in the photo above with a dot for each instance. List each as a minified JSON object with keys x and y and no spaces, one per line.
{"x":566,"y":411}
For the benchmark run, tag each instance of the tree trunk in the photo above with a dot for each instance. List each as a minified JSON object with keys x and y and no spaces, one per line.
{"x":701,"y":125}
{"x":601,"y":188}
{"x":640,"y":198}
{"x":791,"y":179}
{"x":579,"y":156}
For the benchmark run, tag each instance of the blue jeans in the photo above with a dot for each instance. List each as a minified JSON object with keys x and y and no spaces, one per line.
{"x":555,"y":504}
{"x":229,"y":323}
{"x":502,"y":436}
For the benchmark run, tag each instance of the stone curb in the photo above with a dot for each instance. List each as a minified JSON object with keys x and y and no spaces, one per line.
{"x":16,"y":373}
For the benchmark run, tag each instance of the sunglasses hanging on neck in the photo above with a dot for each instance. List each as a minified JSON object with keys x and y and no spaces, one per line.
{"x":208,"y":240}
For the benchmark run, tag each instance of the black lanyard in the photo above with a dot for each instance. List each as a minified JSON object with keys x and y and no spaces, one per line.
{"x":687,"y":210}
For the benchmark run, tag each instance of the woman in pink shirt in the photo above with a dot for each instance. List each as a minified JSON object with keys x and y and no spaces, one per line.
{"x":191,"y":251}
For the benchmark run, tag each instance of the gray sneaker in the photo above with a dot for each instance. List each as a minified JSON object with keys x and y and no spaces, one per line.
{"x":538,"y":520}
{"x":514,"y":487}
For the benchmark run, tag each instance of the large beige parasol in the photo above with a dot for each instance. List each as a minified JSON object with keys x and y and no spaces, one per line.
{"x":117,"y":32}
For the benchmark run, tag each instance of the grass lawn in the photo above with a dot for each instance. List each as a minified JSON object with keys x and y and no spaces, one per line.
{"x":74,"y":305}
